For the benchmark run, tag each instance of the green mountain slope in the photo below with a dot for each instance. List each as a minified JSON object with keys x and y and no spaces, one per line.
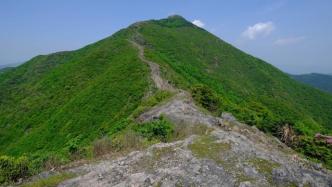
{"x":253,"y":90}
{"x":320,"y":81}
{"x":69,"y":96}
{"x":54,"y":101}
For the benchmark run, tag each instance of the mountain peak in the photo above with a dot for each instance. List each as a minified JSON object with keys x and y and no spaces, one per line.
{"x":171,"y":21}
{"x":174,"y":21}
{"x":175,"y":16}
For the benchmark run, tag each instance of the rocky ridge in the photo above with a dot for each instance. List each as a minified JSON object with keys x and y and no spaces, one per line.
{"x":227,"y":153}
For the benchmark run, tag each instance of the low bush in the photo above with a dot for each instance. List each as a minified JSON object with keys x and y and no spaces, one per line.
{"x":315,"y":149}
{"x":12,"y":169}
{"x":206,"y":97}
{"x":73,"y":145}
{"x":160,"y":129}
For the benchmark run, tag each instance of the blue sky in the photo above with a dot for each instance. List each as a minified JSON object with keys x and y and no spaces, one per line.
{"x":293,"y":35}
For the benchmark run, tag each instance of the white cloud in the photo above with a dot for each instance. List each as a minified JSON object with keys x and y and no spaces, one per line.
{"x":289,"y":41}
{"x":259,"y":29}
{"x":198,"y":23}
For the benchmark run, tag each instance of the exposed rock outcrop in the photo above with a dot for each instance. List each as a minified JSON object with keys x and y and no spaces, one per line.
{"x":243,"y":156}
{"x":229,"y":154}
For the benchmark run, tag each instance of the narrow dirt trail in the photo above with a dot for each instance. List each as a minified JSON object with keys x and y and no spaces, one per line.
{"x":181,"y":108}
{"x":159,"y":82}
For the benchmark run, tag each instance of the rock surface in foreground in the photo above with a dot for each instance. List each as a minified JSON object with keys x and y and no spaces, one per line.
{"x":239,"y":156}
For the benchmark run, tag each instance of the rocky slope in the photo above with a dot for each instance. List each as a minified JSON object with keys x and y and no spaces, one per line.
{"x":227,"y":153}
{"x":231,"y":155}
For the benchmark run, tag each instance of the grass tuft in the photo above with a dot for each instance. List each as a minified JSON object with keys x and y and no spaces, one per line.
{"x":206,"y":147}
{"x":51,"y":181}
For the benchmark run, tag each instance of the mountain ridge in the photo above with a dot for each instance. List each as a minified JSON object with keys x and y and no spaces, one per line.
{"x":55,"y":106}
{"x":173,"y":163}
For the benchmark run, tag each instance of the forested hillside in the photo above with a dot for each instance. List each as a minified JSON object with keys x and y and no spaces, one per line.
{"x":53,"y":100}
{"x":252,"y":89}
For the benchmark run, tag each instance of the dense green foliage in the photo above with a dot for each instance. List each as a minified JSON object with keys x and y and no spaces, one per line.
{"x":12,"y":169}
{"x":161,"y":129}
{"x":59,"y":103}
{"x":316,"y":149}
{"x":320,"y":81}
{"x":206,"y":97}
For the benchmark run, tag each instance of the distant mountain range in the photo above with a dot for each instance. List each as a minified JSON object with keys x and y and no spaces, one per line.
{"x":2,"y":70}
{"x":320,"y":81}
{"x":2,"y":66}
{"x":6,"y":67}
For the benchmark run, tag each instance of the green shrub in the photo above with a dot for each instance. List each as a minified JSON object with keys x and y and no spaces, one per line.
{"x":12,"y":169}
{"x":206,"y":97}
{"x":73,"y":145}
{"x":315,"y":149}
{"x":256,"y":114}
{"x":160,"y":129}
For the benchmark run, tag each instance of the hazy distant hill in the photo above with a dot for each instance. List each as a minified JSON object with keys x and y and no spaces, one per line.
{"x":7,"y":67}
{"x":4,"y":68}
{"x":320,"y":81}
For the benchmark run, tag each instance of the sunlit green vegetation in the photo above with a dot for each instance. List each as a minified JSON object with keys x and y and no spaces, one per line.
{"x":51,"y":181}
{"x":160,"y":129}
{"x":55,"y":105}
{"x":12,"y":169}
{"x":254,"y":91}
